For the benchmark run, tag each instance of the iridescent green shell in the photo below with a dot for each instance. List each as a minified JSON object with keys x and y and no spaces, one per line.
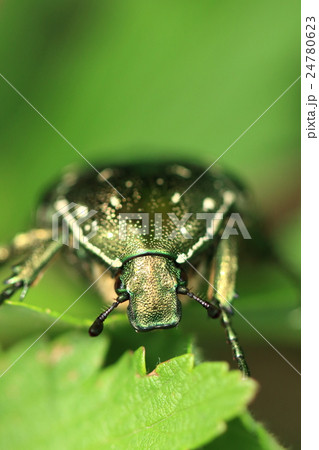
{"x":147,"y":188}
{"x":149,"y":262}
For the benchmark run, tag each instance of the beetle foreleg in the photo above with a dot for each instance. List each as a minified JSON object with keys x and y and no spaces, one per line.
{"x":233,"y":341}
{"x":22,"y":243}
{"x":25,"y":274}
{"x":222,"y":292}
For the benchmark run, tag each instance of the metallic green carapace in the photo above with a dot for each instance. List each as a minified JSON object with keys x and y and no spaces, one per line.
{"x":144,"y":226}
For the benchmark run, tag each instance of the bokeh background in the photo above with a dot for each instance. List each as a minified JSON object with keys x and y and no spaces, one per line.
{"x":133,"y":80}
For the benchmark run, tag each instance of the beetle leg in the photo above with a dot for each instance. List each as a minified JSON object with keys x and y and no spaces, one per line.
{"x":223,"y":278}
{"x":22,"y":243}
{"x":25,"y":273}
{"x":233,"y":341}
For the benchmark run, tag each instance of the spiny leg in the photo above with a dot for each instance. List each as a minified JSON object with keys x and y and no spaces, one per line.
{"x":214,"y":310}
{"x":25,"y":273}
{"x":223,"y":278}
{"x":232,"y":339}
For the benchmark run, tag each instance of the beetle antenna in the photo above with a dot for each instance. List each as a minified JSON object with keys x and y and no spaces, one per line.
{"x":97,"y":327}
{"x":212,"y":310}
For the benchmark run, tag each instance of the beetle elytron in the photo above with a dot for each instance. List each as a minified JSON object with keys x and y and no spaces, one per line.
{"x":149,"y":272}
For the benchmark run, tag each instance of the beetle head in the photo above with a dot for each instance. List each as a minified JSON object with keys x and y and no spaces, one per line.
{"x":151,"y":282}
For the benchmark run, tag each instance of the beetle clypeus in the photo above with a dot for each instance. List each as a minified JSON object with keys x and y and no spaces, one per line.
{"x":149,"y":271}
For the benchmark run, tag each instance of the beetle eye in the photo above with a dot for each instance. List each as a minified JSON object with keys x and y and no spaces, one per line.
{"x":183,"y":277}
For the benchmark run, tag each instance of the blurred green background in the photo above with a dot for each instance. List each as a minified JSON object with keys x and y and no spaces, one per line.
{"x":128,"y":80}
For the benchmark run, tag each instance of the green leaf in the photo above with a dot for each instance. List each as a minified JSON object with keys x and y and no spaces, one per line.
{"x":57,"y":396}
{"x":244,"y":433}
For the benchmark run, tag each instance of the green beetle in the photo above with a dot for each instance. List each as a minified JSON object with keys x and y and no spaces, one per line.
{"x":141,"y":240}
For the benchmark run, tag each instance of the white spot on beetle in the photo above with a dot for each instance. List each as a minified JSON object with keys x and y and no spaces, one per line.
{"x":105,"y":175}
{"x":181,"y":258}
{"x":60,"y":203}
{"x":81,"y":211}
{"x":181,"y":171}
{"x":184,"y":231}
{"x":228,"y":197}
{"x":128,"y":183}
{"x":115,"y":201}
{"x":208,"y":204}
{"x":176,"y":197}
